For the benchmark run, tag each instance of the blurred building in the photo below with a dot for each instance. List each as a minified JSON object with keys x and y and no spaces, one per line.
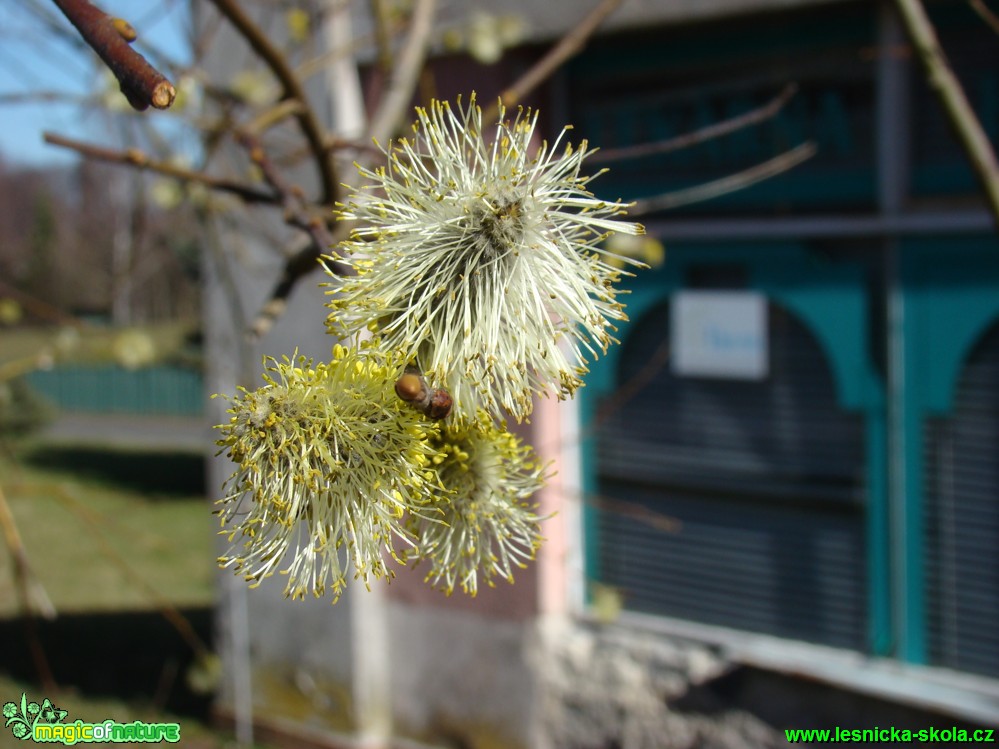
{"x":782,"y":486}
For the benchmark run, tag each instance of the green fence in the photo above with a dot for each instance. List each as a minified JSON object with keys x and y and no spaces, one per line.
{"x":110,"y":389}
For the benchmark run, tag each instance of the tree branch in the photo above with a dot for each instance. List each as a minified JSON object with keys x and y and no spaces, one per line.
{"x":109,"y":37}
{"x":30,"y":591}
{"x":948,"y":89}
{"x":297,"y":214}
{"x":725,"y":185}
{"x":572,"y":43}
{"x":716,"y":130}
{"x":987,"y":15}
{"x":383,"y":34}
{"x":138,"y":159}
{"x":291,"y":89}
{"x":300,"y":264}
{"x":394,"y":104}
{"x":296,"y":210}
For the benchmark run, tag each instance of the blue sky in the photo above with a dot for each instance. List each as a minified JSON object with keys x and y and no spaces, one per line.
{"x":35,"y":60}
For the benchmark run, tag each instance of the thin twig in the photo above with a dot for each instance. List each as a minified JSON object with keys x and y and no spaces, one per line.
{"x":572,"y":43}
{"x":291,"y":89}
{"x":141,"y":83}
{"x":731,"y":183}
{"x":635,"y":511}
{"x":34,"y":599}
{"x":320,"y":63}
{"x":333,"y":143}
{"x":716,"y":130}
{"x":274,"y":116}
{"x":383,"y":35}
{"x":30,"y":592}
{"x":140,"y":160}
{"x":987,"y":15}
{"x":299,"y":265}
{"x":395,"y":103}
{"x":33,"y":97}
{"x":296,"y":209}
{"x":39,"y":307}
{"x":948,"y":89}
{"x":297,"y":214}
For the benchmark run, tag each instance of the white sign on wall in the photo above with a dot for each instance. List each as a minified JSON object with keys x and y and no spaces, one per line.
{"x":719,"y":334}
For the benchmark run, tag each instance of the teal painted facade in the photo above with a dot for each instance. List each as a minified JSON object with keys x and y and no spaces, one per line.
{"x":897,"y":299}
{"x":831,"y":300}
{"x":951,"y":293}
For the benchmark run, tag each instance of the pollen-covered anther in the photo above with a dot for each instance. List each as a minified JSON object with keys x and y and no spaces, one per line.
{"x":486,"y":526}
{"x":329,"y":463}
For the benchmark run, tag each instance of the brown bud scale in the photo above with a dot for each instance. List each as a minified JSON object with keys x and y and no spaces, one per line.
{"x":439,"y":406}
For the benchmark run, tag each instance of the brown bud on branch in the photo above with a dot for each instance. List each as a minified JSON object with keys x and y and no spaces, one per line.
{"x":125,"y":29}
{"x":433,"y":403}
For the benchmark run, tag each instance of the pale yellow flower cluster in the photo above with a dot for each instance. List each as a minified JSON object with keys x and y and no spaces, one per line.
{"x":482,"y":274}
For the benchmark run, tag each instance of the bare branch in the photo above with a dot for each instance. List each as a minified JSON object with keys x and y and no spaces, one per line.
{"x":725,"y":185}
{"x":716,"y":130}
{"x":291,"y":89}
{"x":987,"y":15}
{"x":297,"y":211}
{"x":571,"y":44}
{"x":138,"y":159}
{"x":32,"y":97}
{"x":383,"y":34}
{"x":395,"y":103}
{"x":297,"y":266}
{"x":109,"y":37}
{"x":635,"y":511}
{"x":33,"y":597}
{"x":29,"y":590}
{"x":297,"y":214}
{"x":167,"y":609}
{"x":948,"y":89}
{"x":39,"y":307}
{"x":274,"y":116}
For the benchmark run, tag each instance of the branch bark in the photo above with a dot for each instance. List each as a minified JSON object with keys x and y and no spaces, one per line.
{"x":297,"y":214}
{"x":297,"y":211}
{"x":986,"y":15}
{"x":394,"y":104}
{"x":752,"y":117}
{"x":138,"y":159}
{"x":570,"y":44}
{"x":948,"y":89}
{"x":141,"y":83}
{"x":731,"y":183}
{"x":291,"y":89}
{"x":30,"y":591}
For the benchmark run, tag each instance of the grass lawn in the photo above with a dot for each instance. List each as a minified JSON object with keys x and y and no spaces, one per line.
{"x":114,"y":537}
{"x":109,"y":531}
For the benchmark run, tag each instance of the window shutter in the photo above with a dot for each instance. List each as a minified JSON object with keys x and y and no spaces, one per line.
{"x":766,"y":480}
{"x":962,"y":520}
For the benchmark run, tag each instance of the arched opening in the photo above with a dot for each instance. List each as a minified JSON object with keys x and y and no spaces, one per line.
{"x":765,"y":480}
{"x":962,"y":519}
